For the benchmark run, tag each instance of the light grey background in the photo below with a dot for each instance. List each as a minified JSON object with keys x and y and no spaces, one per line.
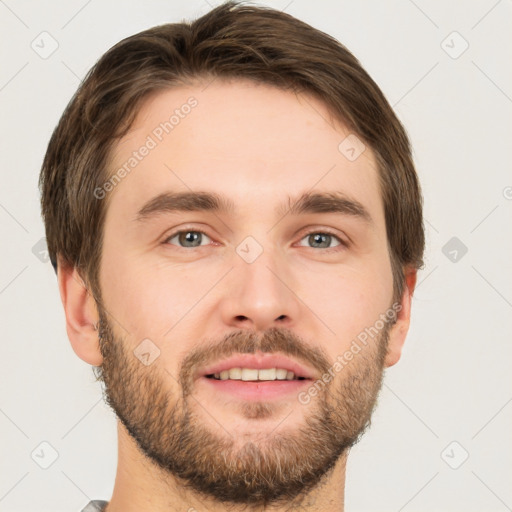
{"x":453,"y":381}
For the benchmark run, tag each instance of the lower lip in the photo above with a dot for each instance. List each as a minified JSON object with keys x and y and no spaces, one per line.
{"x":263,"y":390}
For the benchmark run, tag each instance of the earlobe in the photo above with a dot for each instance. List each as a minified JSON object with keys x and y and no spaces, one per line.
{"x":399,"y":331}
{"x":81,"y":315}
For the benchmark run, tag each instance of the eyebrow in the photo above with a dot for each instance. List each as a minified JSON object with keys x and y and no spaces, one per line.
{"x":317,"y":202}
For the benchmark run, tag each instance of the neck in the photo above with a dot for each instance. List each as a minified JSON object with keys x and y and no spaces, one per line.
{"x":142,"y":486}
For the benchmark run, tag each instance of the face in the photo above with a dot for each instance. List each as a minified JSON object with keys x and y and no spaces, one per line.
{"x":239,"y":273}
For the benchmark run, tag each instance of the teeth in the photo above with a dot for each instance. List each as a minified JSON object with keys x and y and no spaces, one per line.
{"x":281,"y":374}
{"x":235,"y":373}
{"x":248,"y":374}
{"x":267,"y":374}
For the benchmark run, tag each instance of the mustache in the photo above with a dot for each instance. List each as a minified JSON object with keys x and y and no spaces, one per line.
{"x":273,"y":340}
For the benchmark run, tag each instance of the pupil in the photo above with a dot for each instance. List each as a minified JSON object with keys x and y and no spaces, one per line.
{"x":317,"y":238}
{"x":191,"y":236}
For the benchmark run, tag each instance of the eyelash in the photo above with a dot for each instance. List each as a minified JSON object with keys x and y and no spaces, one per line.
{"x":343,"y":244}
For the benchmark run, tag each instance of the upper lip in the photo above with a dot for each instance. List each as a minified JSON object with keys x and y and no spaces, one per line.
{"x":258,"y":361}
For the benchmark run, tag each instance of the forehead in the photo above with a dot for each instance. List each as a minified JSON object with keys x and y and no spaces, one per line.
{"x":240,"y":139}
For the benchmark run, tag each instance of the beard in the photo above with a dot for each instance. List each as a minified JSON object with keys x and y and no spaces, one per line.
{"x":164,"y":418}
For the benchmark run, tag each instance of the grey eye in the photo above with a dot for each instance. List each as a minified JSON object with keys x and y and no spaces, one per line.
{"x":320,"y":240}
{"x":188,"y":238}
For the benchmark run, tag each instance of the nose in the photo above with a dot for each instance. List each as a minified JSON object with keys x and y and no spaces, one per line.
{"x":259,"y":295}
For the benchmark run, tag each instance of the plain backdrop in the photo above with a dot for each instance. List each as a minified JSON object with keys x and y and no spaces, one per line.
{"x":440,"y":437}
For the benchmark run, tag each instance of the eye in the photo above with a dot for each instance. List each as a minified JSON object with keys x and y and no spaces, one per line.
{"x":323,"y":240}
{"x":188,"y":237}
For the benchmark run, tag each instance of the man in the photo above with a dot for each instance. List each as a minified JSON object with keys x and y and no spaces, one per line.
{"x":236,"y":224}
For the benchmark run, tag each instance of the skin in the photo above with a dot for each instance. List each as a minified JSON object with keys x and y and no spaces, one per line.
{"x":256,"y":145}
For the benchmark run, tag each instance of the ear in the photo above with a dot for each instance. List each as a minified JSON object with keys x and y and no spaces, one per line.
{"x":399,"y":331}
{"x":81,"y":314}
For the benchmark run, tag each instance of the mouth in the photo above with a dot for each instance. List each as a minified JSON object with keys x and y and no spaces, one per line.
{"x":257,"y":367}
{"x":251,"y":390}
{"x":256,"y":376}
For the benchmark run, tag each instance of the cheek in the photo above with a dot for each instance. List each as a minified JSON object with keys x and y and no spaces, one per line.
{"x":149,"y":299}
{"x":347,"y":300}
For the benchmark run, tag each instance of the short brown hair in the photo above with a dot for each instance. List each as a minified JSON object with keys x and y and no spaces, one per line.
{"x":229,"y":42}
